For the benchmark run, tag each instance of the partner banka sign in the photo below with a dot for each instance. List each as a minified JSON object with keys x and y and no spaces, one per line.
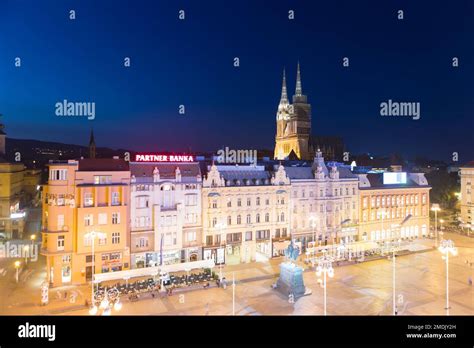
{"x":153,"y":157}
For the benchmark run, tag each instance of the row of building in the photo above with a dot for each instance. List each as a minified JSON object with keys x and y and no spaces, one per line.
{"x":171,"y":209}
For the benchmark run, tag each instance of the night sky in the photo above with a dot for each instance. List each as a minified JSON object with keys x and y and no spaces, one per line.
{"x":190,"y":62}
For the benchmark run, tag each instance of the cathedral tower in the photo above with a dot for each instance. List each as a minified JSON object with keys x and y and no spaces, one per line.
{"x":293,"y":123}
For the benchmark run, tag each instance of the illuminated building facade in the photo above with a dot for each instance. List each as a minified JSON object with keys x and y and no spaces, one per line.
{"x":324,"y":202}
{"x":466,"y":174}
{"x":165,"y":211}
{"x":82,"y":197}
{"x":386,"y":199}
{"x":245,"y":213}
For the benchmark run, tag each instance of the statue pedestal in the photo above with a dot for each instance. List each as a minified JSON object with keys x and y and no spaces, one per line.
{"x":291,"y":280}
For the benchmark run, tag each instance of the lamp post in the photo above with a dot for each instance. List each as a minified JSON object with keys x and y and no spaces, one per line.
{"x":435,"y":207}
{"x":220,"y":226}
{"x":26,"y":250}
{"x":325,"y":267}
{"x":447,"y":247}
{"x":233,"y":293}
{"x":17,"y":266}
{"x":33,"y":238}
{"x":92,"y":235}
{"x":312,"y":220}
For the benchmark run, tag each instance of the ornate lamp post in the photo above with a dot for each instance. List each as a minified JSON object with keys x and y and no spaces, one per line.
{"x":17,"y":266}
{"x":312,"y":221}
{"x":92,"y":235}
{"x":435,"y":207}
{"x":325,"y":267}
{"x":447,"y":247}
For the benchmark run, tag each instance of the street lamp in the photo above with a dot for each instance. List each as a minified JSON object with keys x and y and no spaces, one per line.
{"x":447,"y":247}
{"x":221,"y":226}
{"x":91,"y":235}
{"x":33,"y":238}
{"x":17,"y":266}
{"x":325,"y":267}
{"x":26,"y":250}
{"x":435,"y":207}
{"x":312,"y":221}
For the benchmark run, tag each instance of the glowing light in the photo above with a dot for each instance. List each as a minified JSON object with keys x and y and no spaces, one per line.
{"x":163,"y":158}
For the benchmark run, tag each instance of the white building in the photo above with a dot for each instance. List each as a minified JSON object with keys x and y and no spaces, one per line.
{"x":165,"y":213}
{"x":324,"y":202}
{"x":245,"y":213}
{"x":467,"y":203}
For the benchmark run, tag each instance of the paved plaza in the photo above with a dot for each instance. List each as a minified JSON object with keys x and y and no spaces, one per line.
{"x":356,"y":289}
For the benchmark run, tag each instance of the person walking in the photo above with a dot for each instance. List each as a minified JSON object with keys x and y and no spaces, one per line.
{"x":469,"y":280}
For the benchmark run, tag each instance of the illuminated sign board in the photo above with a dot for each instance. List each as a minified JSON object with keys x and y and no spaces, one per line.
{"x":394,"y":178}
{"x":154,"y":157}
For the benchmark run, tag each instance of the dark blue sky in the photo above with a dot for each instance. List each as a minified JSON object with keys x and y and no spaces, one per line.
{"x":190,"y":62}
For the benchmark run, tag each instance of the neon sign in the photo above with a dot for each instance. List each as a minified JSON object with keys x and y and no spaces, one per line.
{"x":163,"y":158}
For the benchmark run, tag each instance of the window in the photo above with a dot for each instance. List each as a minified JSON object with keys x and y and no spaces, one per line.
{"x":283,"y":232}
{"x":248,"y":235}
{"x":277,"y":233}
{"x":191,"y":236}
{"x":257,"y":218}
{"x":115,"y":237}
{"x":239,"y":202}
{"x":214,"y":204}
{"x":102,"y":179}
{"x":142,"y":242}
{"x":115,"y":198}
{"x":88,"y":200}
{"x":102,"y":219}
{"x":239,"y":219}
{"x":257,"y":201}
{"x":102,"y":239}
{"x":58,"y":174}
{"x":142,"y":201}
{"x":190,"y":200}
{"x":115,"y":218}
{"x":60,"y":242}
{"x":282,"y":217}
{"x":229,"y":220}
{"x":60,"y":222}
{"x":249,"y":219}
{"x":229,"y":203}
{"x":88,"y":220}
{"x":214,"y":222}
{"x":60,"y":200}
{"x":87,"y":240}
{"x":249,"y":202}
{"x":267,"y":201}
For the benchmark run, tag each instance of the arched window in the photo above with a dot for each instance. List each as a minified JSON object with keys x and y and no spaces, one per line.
{"x":267,"y":217}
{"x":257,"y":218}
{"x":229,"y":220}
{"x":282,"y":217}
{"x":239,"y":219}
{"x":249,"y":219}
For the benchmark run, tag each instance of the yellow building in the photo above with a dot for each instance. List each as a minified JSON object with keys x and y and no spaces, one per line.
{"x":85,"y":219}
{"x":387,"y":199}
{"x":12,"y":218}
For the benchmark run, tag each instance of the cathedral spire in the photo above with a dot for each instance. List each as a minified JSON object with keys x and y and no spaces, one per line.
{"x":284,"y":95}
{"x":92,"y":145}
{"x":299,"y":89}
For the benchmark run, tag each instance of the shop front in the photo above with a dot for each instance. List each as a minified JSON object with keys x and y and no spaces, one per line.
{"x":217,"y":254}
{"x":279,"y":245}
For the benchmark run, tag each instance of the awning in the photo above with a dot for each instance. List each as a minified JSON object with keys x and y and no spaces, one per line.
{"x":153,"y":271}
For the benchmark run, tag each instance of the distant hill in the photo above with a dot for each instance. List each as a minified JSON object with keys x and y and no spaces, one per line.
{"x":35,"y":153}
